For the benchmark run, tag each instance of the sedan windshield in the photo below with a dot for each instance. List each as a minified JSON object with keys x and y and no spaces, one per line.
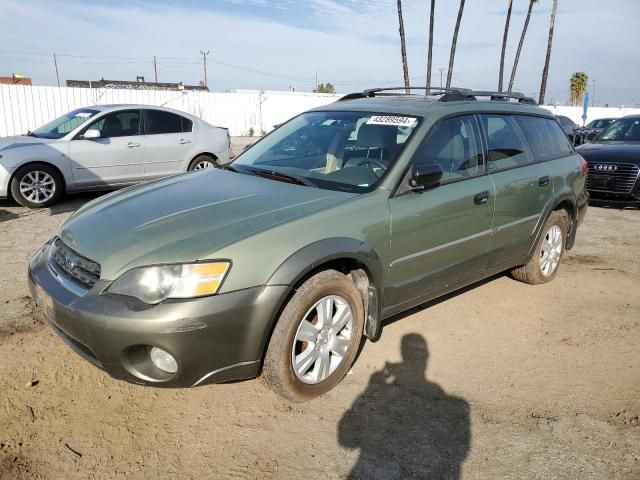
{"x":622,"y":130}
{"x":61,"y":126}
{"x":348,"y":151}
{"x":602,"y":123}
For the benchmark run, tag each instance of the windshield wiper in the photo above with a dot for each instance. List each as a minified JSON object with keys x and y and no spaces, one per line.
{"x":281,"y":176}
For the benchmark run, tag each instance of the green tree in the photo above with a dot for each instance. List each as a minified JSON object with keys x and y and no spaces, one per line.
{"x":430,"y":48}
{"x":522,"y":35}
{"x":578,"y":83}
{"x":504,"y":44}
{"x":325,"y":88}
{"x":403,"y":48}
{"x":545,"y":71}
{"x":454,"y":43}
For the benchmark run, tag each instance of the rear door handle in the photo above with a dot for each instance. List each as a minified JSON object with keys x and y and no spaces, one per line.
{"x":184,"y":141}
{"x":133,"y":145}
{"x":481,"y":198}
{"x":543,"y":181}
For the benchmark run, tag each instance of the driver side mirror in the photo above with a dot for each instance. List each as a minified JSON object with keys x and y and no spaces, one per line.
{"x":91,"y":134}
{"x":425,"y":176}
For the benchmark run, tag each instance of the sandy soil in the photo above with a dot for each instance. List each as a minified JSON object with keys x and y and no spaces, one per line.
{"x":503,"y":380}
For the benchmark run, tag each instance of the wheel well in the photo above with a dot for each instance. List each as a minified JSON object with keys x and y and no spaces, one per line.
{"x":204,"y":154}
{"x":64,"y":183}
{"x":569,"y":207}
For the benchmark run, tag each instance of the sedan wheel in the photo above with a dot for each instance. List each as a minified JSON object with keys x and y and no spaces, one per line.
{"x":202,"y":162}
{"x":36,"y":186}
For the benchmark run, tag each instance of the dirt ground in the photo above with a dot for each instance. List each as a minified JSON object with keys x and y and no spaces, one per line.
{"x":503,"y":380}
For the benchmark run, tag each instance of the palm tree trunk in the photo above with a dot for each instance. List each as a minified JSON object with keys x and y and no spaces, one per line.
{"x":403,"y":47}
{"x":524,"y":33}
{"x":545,"y":71}
{"x":430,"y":49}
{"x":454,"y":42}
{"x":504,"y":45}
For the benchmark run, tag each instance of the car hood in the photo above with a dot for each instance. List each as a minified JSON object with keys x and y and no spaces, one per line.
{"x":19,"y":141}
{"x":186,"y":218}
{"x":611,"y":152}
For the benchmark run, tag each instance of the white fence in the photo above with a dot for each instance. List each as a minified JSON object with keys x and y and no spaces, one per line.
{"x":24,"y":108}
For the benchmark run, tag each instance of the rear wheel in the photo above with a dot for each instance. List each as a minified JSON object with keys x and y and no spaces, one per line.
{"x":316,"y":338}
{"x":201,"y":162}
{"x":36,"y":186}
{"x":544,"y":263}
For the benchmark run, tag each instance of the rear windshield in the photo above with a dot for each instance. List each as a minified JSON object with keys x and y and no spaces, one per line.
{"x":348,"y":151}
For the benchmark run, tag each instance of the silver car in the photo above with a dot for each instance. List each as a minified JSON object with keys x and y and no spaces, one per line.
{"x":105,"y":147}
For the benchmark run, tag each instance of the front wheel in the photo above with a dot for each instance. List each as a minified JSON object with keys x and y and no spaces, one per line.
{"x":544,"y":263}
{"x":316,"y":338}
{"x":36,"y":186}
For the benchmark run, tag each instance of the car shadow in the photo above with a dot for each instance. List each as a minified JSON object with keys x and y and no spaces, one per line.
{"x":404,"y":425}
{"x":10,"y":210}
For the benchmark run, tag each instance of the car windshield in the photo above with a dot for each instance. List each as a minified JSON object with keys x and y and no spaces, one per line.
{"x":602,"y":123}
{"x":61,"y":126}
{"x":622,"y":130}
{"x":348,"y":151}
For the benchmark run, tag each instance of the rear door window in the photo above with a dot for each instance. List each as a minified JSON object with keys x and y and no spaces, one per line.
{"x":159,"y":122}
{"x":505,"y":145}
{"x":546,"y":138}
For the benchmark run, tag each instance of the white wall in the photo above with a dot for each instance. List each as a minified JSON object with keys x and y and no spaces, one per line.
{"x":24,"y":108}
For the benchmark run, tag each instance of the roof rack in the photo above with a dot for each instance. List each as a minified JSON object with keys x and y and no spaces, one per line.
{"x":447,"y":94}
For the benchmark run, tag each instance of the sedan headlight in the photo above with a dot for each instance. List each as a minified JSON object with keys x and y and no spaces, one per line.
{"x":152,"y":285}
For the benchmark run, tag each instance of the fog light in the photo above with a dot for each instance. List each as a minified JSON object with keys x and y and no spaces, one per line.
{"x":163,"y":360}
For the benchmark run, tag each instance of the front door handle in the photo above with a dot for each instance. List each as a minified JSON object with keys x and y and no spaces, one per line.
{"x":133,"y":145}
{"x":481,"y":198}
{"x":184,"y":141}
{"x":543,"y":181}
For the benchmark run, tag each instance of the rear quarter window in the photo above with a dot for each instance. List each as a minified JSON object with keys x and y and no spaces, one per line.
{"x":545,"y":136}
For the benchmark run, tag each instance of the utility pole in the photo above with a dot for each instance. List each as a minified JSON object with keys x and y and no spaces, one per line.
{"x":316,"y":90}
{"x":441,"y":70}
{"x":204,"y":62}
{"x":155,"y":68}
{"x":55,"y":62}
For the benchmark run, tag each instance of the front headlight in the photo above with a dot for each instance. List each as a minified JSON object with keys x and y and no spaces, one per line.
{"x":154,"y":284}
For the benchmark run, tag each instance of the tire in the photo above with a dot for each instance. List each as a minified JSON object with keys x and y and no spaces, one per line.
{"x":285,"y":345}
{"x":37,"y":186}
{"x":544,"y":264}
{"x":201,"y":162}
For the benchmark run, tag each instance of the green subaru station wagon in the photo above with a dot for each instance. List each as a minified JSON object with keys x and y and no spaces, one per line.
{"x":279,"y":263}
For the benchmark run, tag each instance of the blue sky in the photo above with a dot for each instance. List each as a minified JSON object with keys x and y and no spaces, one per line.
{"x":275,"y":44}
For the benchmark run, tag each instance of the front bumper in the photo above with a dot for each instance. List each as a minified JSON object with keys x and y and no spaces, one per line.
{"x":5,"y":176}
{"x":213,"y":339}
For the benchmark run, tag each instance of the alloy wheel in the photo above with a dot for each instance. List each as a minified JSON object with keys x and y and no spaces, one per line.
{"x":551,"y":250}
{"x":322,"y":339}
{"x":37,"y":186}
{"x":204,"y":164}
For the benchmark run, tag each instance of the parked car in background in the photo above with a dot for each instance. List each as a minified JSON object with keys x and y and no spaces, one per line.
{"x":105,"y":147}
{"x":281,"y":262}
{"x":570,"y":128}
{"x":595,"y":128}
{"x":614,"y":162}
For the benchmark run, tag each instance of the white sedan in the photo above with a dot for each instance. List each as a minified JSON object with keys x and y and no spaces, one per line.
{"x":105,"y":147}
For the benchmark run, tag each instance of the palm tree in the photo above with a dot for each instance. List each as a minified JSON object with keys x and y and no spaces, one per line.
{"x":545,"y":71}
{"x":578,"y":83}
{"x":454,"y":42}
{"x":430,"y":49}
{"x":403,"y":47}
{"x":524,"y":33}
{"x":504,"y":44}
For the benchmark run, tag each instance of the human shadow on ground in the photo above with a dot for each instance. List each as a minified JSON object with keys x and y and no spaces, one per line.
{"x":406,"y":426}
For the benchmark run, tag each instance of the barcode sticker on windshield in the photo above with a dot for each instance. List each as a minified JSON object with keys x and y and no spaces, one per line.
{"x":83,"y":114}
{"x":392,"y":120}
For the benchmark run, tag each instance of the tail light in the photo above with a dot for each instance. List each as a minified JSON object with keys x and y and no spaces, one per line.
{"x":583,"y":164}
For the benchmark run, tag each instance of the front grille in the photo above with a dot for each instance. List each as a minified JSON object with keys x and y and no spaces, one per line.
{"x":73,"y":266}
{"x":620,"y":180}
